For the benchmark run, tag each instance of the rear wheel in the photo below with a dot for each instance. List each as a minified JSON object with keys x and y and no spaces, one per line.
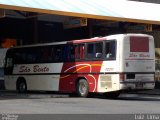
{"x":82,"y":88}
{"x":22,"y":86}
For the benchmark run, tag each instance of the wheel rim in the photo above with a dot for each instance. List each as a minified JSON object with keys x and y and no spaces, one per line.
{"x":82,"y":88}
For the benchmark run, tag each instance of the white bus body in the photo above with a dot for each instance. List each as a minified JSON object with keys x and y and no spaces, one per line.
{"x":130,"y":65}
{"x":135,"y":63}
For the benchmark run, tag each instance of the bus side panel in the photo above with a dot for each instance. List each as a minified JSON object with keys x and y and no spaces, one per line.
{"x":43,"y":82}
{"x":37,"y":76}
{"x":34,"y":82}
{"x":71,"y":72}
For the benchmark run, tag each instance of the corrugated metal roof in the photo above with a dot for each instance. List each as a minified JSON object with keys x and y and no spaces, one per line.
{"x":101,"y":9}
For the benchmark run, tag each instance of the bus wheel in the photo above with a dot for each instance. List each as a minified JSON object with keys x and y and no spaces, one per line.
{"x":82,"y":88}
{"x":22,"y":86}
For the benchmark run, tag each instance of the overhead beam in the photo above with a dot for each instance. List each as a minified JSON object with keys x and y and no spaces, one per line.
{"x":78,"y":14}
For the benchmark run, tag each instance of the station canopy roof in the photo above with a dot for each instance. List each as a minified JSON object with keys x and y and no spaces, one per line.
{"x":119,"y":10}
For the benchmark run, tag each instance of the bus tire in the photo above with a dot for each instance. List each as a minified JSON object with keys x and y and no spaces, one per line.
{"x":82,"y":88}
{"x":21,"y":86}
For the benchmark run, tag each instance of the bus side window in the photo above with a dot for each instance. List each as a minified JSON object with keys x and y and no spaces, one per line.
{"x":98,"y":50}
{"x":72,"y":52}
{"x":90,"y":50}
{"x":110,"y":50}
{"x":20,"y":56}
{"x":77,"y":51}
{"x":82,"y":51}
{"x":94,"y":50}
{"x":65,"y":53}
{"x":52,"y":54}
{"x":30,"y":55}
{"x":38,"y":55}
{"x":58,"y":53}
{"x":45,"y":54}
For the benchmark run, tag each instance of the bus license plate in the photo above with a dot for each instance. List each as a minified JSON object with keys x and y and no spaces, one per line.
{"x":139,"y":85}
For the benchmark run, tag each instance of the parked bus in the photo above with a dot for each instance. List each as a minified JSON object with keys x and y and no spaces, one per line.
{"x":106,"y":65}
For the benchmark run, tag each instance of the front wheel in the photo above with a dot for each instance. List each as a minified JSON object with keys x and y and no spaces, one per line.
{"x":82,"y":88}
{"x":22,"y":87}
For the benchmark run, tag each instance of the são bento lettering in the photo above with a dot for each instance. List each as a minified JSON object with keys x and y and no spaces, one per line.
{"x":35,"y":69}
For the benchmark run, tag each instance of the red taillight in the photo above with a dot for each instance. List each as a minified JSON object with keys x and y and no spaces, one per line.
{"x":122,"y":77}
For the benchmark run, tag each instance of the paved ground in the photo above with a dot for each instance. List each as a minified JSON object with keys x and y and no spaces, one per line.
{"x":42,"y":106}
{"x":62,"y":104}
{"x":51,"y":95}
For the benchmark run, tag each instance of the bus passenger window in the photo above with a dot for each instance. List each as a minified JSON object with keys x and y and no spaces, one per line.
{"x":68,"y":53}
{"x":72,"y":52}
{"x":90,"y":51}
{"x":77,"y":52}
{"x":30,"y":58}
{"x":45,"y":54}
{"x":65,"y":53}
{"x":99,"y":48}
{"x":110,"y":50}
{"x":58,"y":54}
{"x":94,"y":50}
{"x":52,"y":54}
{"x":82,"y":51}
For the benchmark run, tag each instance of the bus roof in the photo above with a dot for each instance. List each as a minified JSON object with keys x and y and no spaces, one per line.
{"x":94,"y":39}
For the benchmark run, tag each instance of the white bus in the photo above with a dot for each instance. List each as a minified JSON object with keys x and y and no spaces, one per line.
{"x":106,"y":65}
